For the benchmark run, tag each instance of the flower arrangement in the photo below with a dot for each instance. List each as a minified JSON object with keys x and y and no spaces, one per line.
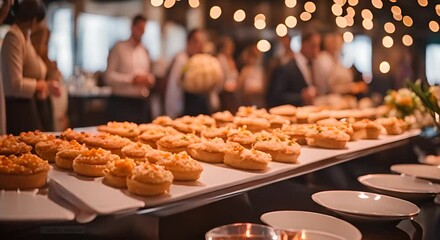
{"x":202,"y":74}
{"x":429,"y":97}
{"x":402,"y":102}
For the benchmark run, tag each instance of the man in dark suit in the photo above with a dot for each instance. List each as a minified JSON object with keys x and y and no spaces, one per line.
{"x":293,"y":82}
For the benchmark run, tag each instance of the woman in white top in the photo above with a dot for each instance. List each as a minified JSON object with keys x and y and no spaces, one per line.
{"x":225,"y":55}
{"x":23,"y":71}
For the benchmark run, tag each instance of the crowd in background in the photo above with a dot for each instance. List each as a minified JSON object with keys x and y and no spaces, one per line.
{"x":35,"y":97}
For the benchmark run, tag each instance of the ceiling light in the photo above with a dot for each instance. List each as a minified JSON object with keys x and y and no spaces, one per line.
{"x":156,"y":3}
{"x":239,"y":15}
{"x":407,"y":40}
{"x":389,"y":27}
{"x":305,"y":16}
{"x":348,"y":37}
{"x":215,"y":12}
{"x":291,"y":21}
{"x":384,"y":67}
{"x":290,"y":3}
{"x":194,"y":3}
{"x":310,"y":7}
{"x":263,"y":45}
{"x":387,"y":41}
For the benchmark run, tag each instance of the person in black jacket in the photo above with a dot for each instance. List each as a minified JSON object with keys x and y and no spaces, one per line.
{"x":293,"y":83}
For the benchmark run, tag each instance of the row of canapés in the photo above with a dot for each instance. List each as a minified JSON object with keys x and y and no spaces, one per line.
{"x":147,"y":158}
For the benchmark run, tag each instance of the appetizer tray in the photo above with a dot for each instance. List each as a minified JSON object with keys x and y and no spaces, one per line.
{"x":216,"y":181}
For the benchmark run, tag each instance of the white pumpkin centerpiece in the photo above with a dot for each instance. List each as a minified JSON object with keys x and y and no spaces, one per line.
{"x":201,"y":74}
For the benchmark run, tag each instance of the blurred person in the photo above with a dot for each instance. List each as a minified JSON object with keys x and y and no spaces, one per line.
{"x":283,"y":54}
{"x":177,"y":101}
{"x":251,"y":78}
{"x":331,"y":75}
{"x":225,"y":55}
{"x":294,"y":84}
{"x":404,"y":71}
{"x":4,"y":10}
{"x":57,"y":104}
{"x":129,"y":74}
{"x":23,"y":71}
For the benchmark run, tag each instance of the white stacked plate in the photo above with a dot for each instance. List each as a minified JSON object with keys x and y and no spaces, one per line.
{"x":401,"y":186}
{"x":428,"y":172}
{"x":366,"y":206}
{"x":311,"y":225}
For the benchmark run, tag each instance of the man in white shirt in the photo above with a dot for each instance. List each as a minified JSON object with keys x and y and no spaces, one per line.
{"x":294,"y":83}
{"x":128,"y":73}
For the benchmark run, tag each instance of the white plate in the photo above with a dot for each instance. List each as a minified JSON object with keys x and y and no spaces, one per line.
{"x":310,"y":221}
{"x":400,"y":186}
{"x":91,"y":195}
{"x":365,"y":205}
{"x":431,"y":173}
{"x":30,"y":206}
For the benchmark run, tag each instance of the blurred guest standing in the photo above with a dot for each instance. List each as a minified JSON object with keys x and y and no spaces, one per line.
{"x":294,"y":84}
{"x":225,"y":55}
{"x":283,"y":54}
{"x":57,"y":104}
{"x":251,"y":78}
{"x":332,"y":76}
{"x":128,"y":73}
{"x":177,"y":101}
{"x":4,"y":9}
{"x":23,"y":71}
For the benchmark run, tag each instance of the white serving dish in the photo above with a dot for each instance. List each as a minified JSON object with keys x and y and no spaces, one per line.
{"x":428,"y":172}
{"x":366,"y":206}
{"x":401,"y":186}
{"x":31,"y":206}
{"x":298,"y":221}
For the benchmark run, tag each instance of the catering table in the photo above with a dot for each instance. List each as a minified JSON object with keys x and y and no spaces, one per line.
{"x":189,"y":214}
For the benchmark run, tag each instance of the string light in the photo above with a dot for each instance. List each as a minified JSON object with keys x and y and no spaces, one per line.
{"x":389,"y":27}
{"x":169,"y":3}
{"x":291,"y":21}
{"x":423,"y":3}
{"x":387,"y":41}
{"x":384,"y":67}
{"x":310,"y":7}
{"x":367,"y":14}
{"x":407,"y":40}
{"x":281,"y":30}
{"x":260,"y":16}
{"x":260,"y":24}
{"x":348,"y":37}
{"x":336,"y":10}
{"x":263,"y":45}
{"x":433,"y":25}
{"x":437,"y":9}
{"x":339,"y":2}
{"x":349,"y":20}
{"x":305,"y":16}
{"x":397,"y":17}
{"x":341,"y":22}
{"x":194,"y":3}
{"x":367,"y":24}
{"x":351,"y":12}
{"x":396,"y":10}
{"x":156,"y":3}
{"x":290,"y":3}
{"x":239,"y":15}
{"x":215,"y":12}
{"x":407,"y":21}
{"x":353,"y":2}
{"x":377,"y":3}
